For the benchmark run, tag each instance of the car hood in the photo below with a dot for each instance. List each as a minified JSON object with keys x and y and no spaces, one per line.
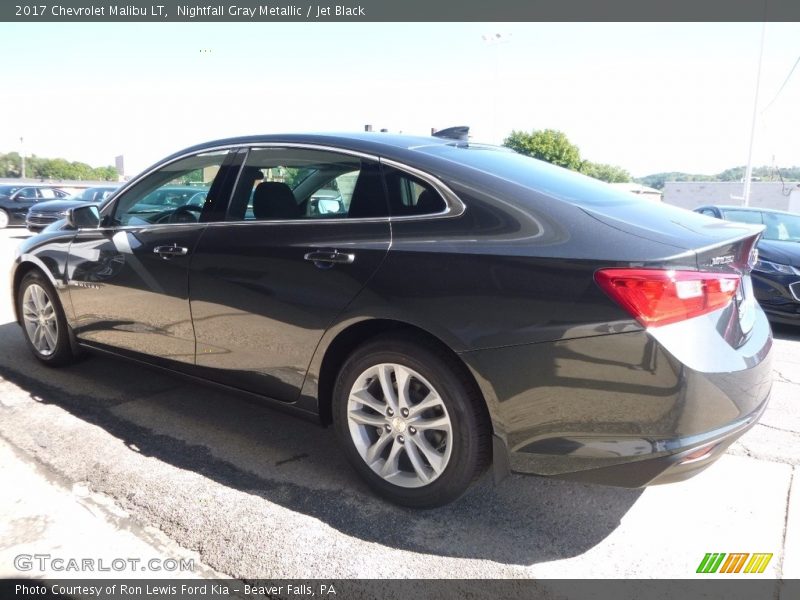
{"x":786,"y":253}
{"x":59,"y":205}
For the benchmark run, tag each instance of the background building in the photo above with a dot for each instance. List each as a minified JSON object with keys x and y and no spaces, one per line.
{"x":763,"y":194}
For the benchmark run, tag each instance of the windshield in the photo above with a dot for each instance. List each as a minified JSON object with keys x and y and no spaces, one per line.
{"x":7,"y":190}
{"x":92,"y":194}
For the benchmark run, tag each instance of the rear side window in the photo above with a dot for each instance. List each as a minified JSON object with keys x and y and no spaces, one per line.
{"x":743,"y":216}
{"x":410,"y":196}
{"x":280,"y":184}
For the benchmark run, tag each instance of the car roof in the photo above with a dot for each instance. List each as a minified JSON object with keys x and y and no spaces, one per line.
{"x":390,"y":145}
{"x":746,"y":208}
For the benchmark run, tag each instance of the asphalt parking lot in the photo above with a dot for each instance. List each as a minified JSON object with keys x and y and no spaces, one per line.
{"x":252,"y":493}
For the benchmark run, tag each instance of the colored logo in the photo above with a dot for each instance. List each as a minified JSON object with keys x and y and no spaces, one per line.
{"x":734,"y":563}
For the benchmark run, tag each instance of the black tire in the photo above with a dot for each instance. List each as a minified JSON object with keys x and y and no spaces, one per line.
{"x":469,"y":437}
{"x":61,"y":352}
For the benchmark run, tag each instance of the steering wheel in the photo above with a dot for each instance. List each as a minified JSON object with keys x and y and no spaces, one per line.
{"x":185,"y":214}
{"x":197,"y":199}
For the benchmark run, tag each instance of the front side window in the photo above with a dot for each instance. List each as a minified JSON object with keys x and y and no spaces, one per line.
{"x":278,"y":184}
{"x":28,"y":193}
{"x":176,"y":193}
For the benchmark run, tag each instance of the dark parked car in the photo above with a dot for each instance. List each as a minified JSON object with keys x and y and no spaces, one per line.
{"x":776,"y":275}
{"x":44,"y":213}
{"x":467,"y":307}
{"x":15,"y":200}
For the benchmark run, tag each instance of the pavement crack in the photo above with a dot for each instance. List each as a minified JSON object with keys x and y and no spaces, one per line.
{"x":784,"y":379}
{"x":785,"y":525}
{"x":792,"y":431}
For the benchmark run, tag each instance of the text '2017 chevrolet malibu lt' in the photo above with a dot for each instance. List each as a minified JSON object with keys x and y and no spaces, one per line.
{"x":448,"y":307}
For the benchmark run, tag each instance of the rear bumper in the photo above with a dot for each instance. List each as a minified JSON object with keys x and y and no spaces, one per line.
{"x":691,"y":455}
{"x":627,"y":409}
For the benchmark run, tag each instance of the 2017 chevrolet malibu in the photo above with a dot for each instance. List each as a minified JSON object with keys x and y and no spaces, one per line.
{"x":463,"y":307}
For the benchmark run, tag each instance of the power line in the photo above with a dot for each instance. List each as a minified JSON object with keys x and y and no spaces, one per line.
{"x":788,"y":77}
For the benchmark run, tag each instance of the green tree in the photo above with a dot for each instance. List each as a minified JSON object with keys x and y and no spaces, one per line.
{"x":549,"y":145}
{"x":107,"y":173}
{"x":603,"y":172}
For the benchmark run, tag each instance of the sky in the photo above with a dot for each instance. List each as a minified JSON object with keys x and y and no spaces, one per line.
{"x":646,"y":97}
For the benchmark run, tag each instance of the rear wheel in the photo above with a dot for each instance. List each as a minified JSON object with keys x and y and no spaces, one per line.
{"x":3,"y":219}
{"x":43,"y":321}
{"x":410,"y":422}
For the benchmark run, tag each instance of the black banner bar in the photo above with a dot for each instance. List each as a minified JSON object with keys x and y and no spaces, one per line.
{"x":734,"y":587}
{"x":267,"y":11}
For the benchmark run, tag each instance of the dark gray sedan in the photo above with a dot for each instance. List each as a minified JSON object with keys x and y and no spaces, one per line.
{"x":451,"y":308}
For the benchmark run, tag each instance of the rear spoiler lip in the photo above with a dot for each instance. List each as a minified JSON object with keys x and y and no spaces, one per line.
{"x":755,"y":231}
{"x":690,"y":257}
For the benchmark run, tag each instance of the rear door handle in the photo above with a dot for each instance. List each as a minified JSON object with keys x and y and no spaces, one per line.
{"x":170,"y":251}
{"x":330,"y":257}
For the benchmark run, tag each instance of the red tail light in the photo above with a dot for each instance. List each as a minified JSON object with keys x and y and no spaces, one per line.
{"x":657,"y":297}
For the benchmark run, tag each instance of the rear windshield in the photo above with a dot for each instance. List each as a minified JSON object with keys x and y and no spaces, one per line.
{"x":536,"y":175}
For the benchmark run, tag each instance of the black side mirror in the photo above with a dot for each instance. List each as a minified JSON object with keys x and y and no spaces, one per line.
{"x":83,"y":217}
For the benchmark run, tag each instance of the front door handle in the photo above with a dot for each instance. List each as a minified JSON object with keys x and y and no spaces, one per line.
{"x":170,"y":251}
{"x":328,"y":258}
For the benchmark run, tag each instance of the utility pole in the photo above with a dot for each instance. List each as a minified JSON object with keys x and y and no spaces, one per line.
{"x":748,"y":174}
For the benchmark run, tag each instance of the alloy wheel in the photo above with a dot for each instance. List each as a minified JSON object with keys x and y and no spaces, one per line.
{"x":399,"y":425}
{"x":41,"y":323}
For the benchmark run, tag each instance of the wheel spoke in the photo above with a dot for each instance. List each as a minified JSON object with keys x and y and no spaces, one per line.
{"x":441,"y":423}
{"x":49,"y":335}
{"x":403,"y":379}
{"x":38,"y":336}
{"x":416,"y":461}
{"x":374,"y":451}
{"x":385,"y":379}
{"x":363,"y":418}
{"x":34,"y":296}
{"x":391,"y":466}
{"x":364,"y":398}
{"x":434,"y":459}
{"x":432,"y":400}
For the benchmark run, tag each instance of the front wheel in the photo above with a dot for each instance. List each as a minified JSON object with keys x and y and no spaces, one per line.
{"x":410,"y":422}
{"x":4,"y":219}
{"x":43,"y":321}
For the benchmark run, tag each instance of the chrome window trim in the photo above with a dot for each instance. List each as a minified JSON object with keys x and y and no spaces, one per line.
{"x":454,"y":206}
